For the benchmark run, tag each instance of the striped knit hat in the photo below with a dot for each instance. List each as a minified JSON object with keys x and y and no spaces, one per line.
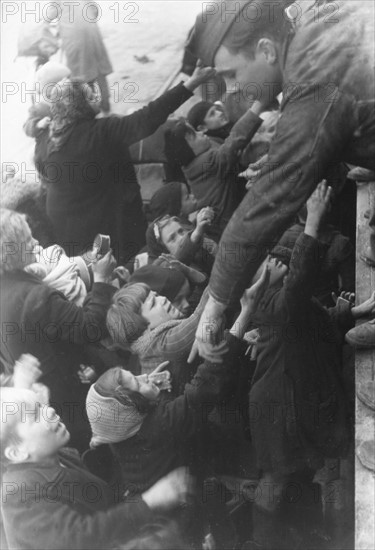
{"x":110,"y":420}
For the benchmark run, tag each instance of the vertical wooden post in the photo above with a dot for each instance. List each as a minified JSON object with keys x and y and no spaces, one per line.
{"x":365,"y":370}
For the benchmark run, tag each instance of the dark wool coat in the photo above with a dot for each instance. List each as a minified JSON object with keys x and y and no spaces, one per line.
{"x":177,"y":429}
{"x":39,"y":320}
{"x":91,"y":181}
{"x":64,"y":507}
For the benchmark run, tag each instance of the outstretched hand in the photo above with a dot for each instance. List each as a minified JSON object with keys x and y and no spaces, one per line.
{"x":209,"y":342}
{"x":26,"y":371}
{"x":253,"y":295}
{"x":319,"y":202}
{"x":201,"y":74}
{"x":170,"y":491}
{"x":252,"y":172}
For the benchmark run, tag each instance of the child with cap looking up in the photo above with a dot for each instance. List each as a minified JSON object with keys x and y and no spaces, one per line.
{"x":152,"y":430}
{"x":211,"y":168}
{"x":211,"y":119}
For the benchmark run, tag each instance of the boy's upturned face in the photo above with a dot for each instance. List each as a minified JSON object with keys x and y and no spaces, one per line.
{"x":215,"y":118}
{"x":277,"y":270}
{"x":40,"y":430}
{"x":172,"y":236}
{"x":158,"y":309}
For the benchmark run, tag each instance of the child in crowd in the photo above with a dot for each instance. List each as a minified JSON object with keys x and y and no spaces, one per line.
{"x":337,"y":271}
{"x":174,"y":284}
{"x":211,"y":119}
{"x":40,"y":320}
{"x":297,"y":385}
{"x":71,"y":276}
{"x":50,"y":501}
{"x":149,"y":326}
{"x":211,"y":168}
{"x":136,"y":416}
{"x":174,"y":199}
{"x":187,"y":244}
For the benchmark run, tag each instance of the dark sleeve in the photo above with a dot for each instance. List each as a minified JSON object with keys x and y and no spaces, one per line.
{"x":346,"y":267}
{"x":178,"y":339}
{"x":242,"y":132}
{"x":310,"y":136}
{"x":37,"y":522}
{"x":144,"y":122}
{"x":209,"y":386}
{"x":62,"y":320}
{"x":187,"y":250}
{"x":307,"y":256}
{"x":341,"y":316}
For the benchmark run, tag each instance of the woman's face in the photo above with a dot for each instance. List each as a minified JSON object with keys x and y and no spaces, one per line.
{"x":140,"y":384}
{"x":172,"y":236}
{"x":188,"y":201}
{"x":158,"y":309}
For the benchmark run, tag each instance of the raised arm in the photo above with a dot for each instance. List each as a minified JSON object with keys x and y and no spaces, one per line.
{"x":309,"y":135}
{"x":144,"y":122}
{"x":241,"y":134}
{"x":70,"y":322}
{"x":307,"y":252}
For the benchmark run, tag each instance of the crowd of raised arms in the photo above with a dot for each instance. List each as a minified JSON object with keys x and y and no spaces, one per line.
{"x":174,"y":375}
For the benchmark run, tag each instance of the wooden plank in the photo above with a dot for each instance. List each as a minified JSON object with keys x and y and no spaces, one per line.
{"x":365,"y":370}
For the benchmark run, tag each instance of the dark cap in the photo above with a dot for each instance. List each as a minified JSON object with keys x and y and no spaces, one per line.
{"x":212,"y":25}
{"x":166,"y":200}
{"x":198,"y":112}
{"x":166,"y":282}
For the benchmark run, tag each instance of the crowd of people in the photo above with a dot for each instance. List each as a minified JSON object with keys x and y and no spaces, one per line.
{"x":175,"y":376}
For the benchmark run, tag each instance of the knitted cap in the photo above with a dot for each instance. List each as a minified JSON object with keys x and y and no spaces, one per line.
{"x":166,"y":282}
{"x":198,"y":112}
{"x":110,"y":420}
{"x":212,"y":25}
